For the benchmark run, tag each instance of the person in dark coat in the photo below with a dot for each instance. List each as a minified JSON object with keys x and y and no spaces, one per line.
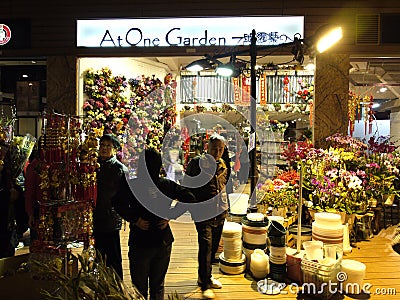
{"x":147,"y":203}
{"x":106,"y":221}
{"x":8,"y":194}
{"x":206,"y":175}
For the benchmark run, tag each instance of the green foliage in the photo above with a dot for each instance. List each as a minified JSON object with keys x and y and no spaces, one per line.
{"x":94,"y":280}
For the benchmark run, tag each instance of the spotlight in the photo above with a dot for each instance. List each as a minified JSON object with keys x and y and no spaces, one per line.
{"x":327,"y":37}
{"x":231,"y":69}
{"x":203,"y":64}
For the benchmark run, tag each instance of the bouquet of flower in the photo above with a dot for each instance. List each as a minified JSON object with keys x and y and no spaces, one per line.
{"x":20,"y":150}
{"x":277,"y":126}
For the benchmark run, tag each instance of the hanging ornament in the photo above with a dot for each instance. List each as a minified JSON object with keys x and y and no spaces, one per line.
{"x":286,"y":91}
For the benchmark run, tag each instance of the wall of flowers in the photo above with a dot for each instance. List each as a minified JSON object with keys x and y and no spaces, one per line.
{"x":138,"y":110}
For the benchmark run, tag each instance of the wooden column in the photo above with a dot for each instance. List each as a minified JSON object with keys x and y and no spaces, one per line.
{"x":330,"y":96}
{"x":62,"y":84}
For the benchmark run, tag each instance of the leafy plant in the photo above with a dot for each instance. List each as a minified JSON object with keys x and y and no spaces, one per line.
{"x":94,"y":280}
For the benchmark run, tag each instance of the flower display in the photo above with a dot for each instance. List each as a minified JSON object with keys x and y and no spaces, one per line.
{"x":282,"y":191}
{"x":108,"y":107}
{"x":139,"y":110}
{"x":347,"y":174}
{"x":306,"y":91}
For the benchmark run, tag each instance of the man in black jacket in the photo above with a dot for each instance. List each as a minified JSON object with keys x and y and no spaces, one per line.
{"x":206,"y":175}
{"x":146,"y":202}
{"x":106,"y":222}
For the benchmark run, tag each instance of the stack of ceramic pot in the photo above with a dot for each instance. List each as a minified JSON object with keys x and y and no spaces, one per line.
{"x":254,"y":232}
{"x":232,"y":260}
{"x":328,"y":229}
{"x":277,"y":250}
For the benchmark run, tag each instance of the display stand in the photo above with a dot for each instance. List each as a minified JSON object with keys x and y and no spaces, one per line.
{"x":67,"y":185}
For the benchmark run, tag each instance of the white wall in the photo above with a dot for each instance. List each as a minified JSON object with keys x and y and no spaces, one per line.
{"x":126,"y":66}
{"x":379,"y":128}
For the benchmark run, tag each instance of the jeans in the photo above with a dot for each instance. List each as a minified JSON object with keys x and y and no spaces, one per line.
{"x":208,"y":235}
{"x":148,"y":268}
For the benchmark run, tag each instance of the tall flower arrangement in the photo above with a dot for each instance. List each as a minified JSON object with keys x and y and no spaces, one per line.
{"x":139,"y":110}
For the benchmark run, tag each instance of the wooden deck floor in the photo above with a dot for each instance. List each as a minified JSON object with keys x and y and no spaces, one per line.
{"x":383,"y":268}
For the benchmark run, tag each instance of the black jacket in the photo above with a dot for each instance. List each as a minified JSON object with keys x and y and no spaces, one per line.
{"x":152,"y":202}
{"x":212,"y":193}
{"x":109,"y":178}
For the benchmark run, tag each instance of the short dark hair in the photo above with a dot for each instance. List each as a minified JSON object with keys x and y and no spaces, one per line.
{"x":113,"y":139}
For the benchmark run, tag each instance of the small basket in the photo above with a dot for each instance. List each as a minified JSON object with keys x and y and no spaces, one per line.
{"x":320,"y":276}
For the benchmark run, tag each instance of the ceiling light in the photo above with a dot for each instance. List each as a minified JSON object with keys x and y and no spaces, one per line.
{"x":376,"y":105}
{"x":383,"y":89}
{"x":24,"y":76}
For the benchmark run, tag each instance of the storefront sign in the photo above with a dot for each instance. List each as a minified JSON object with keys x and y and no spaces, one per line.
{"x":5,"y":34}
{"x":15,"y":33}
{"x":188,"y":32}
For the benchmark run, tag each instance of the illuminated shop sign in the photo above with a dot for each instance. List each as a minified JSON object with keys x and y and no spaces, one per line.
{"x":15,"y":33}
{"x":5,"y":34}
{"x":187,"y":32}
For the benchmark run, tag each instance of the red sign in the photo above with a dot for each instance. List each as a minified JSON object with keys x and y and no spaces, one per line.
{"x":263,"y":90}
{"x":236,"y":91}
{"x":5,"y":34}
{"x":246,"y":91}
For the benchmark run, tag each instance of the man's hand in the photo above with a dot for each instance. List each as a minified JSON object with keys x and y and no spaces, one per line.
{"x":162,"y":224}
{"x":142,"y":224}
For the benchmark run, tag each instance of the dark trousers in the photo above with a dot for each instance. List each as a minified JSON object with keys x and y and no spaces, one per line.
{"x":109,"y":246}
{"x":148,"y":268}
{"x":208,"y":236}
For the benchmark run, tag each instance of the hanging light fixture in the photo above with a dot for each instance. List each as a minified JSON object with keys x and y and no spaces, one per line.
{"x":232,"y":69}
{"x":207,"y":63}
